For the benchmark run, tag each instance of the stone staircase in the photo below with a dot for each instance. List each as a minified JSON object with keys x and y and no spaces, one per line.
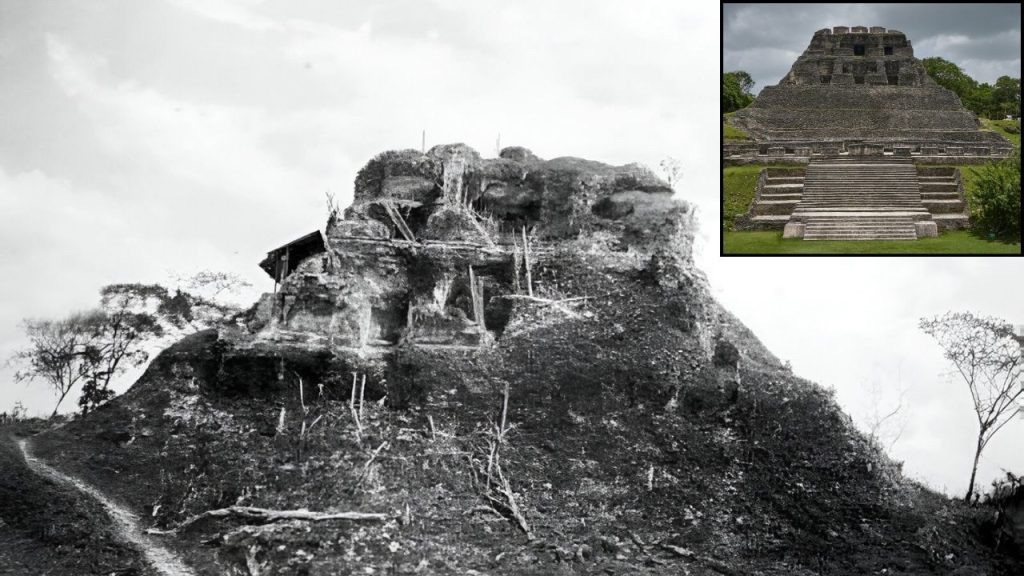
{"x":778,"y":193}
{"x":942,"y":195}
{"x":861,"y":198}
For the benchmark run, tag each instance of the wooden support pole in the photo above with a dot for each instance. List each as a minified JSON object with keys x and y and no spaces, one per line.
{"x":517,"y":262}
{"x":476,"y":290}
{"x":399,"y":222}
{"x":527,"y":263}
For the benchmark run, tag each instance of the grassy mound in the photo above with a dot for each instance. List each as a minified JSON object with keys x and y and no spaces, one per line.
{"x":731,"y":132}
{"x":1009,"y":129}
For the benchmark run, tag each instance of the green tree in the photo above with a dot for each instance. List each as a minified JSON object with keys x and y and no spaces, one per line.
{"x":987,"y":355}
{"x":995,"y":201}
{"x":990,"y":101}
{"x":734,"y":95}
{"x":1006,"y":96}
{"x":949,"y":76}
{"x":745,"y":81}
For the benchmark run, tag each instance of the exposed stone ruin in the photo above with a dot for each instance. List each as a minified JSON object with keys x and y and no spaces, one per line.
{"x":445,"y":248}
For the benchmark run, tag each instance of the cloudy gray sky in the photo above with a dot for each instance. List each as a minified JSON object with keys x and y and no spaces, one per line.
{"x":765,"y":39}
{"x":139,"y":138}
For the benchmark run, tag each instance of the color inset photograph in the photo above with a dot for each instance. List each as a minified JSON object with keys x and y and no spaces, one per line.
{"x":841,"y":138}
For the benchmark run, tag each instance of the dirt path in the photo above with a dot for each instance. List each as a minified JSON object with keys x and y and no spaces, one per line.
{"x":163,"y":560}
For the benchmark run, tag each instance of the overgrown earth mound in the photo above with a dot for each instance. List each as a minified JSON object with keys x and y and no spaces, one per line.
{"x":515,"y":363}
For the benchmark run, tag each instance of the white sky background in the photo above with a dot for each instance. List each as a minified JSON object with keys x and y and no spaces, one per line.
{"x":765,"y":39}
{"x":142,"y":137}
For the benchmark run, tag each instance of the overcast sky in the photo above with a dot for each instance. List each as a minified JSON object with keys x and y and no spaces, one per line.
{"x":983,"y":39}
{"x":146,"y":137}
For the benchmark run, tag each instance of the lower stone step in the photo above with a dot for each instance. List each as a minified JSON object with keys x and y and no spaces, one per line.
{"x":867,"y":237}
{"x":944,"y":206}
{"x":938,"y":187}
{"x":951,"y":221}
{"x":940,"y":196}
{"x":776,"y":180}
{"x":775,"y":206}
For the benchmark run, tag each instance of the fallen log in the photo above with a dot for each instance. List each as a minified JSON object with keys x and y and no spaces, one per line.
{"x":266,"y":516}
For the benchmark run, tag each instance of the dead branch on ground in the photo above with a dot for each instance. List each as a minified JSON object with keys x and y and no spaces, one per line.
{"x":366,"y":467}
{"x":266,"y":516}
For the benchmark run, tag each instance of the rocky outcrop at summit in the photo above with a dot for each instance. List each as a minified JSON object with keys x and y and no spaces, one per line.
{"x":427,"y":234}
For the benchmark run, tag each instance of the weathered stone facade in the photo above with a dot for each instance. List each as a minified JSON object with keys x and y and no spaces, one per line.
{"x":432,"y":251}
{"x":860,"y":91}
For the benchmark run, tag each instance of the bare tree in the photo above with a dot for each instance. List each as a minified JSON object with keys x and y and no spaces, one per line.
{"x":211,"y":285}
{"x":672,"y":169}
{"x":886,"y":418}
{"x":54,"y":354}
{"x":92,"y":348}
{"x":987,"y":355}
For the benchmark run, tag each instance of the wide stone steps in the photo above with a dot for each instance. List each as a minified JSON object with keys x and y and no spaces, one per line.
{"x":854,"y":199}
{"x":860,"y":228}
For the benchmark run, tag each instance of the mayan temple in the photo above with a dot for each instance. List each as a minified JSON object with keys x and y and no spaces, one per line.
{"x":861,"y":112}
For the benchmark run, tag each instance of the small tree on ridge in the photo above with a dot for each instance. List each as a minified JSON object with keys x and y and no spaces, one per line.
{"x":987,"y":354}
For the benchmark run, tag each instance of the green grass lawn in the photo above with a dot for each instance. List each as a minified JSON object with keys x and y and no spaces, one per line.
{"x":953,"y":242}
{"x":1000,"y":126}
{"x":739,"y":183}
{"x":734,"y":133}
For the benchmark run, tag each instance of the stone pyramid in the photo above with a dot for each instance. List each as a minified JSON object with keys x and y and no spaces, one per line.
{"x":861,"y":91}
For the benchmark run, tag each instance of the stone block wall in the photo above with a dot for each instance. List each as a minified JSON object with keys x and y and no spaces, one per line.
{"x":857,"y":97}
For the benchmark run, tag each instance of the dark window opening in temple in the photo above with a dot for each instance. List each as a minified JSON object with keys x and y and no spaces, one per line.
{"x":790,"y":151}
{"x":846,"y":69}
{"x":858,"y":79}
{"x":826,"y":79}
{"x":888,"y":50}
{"x":386,"y":324}
{"x":763,"y":149}
{"x":893,"y":80}
{"x":858,"y":49}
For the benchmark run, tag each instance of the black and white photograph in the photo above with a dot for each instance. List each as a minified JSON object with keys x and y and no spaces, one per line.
{"x":453,"y":287}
